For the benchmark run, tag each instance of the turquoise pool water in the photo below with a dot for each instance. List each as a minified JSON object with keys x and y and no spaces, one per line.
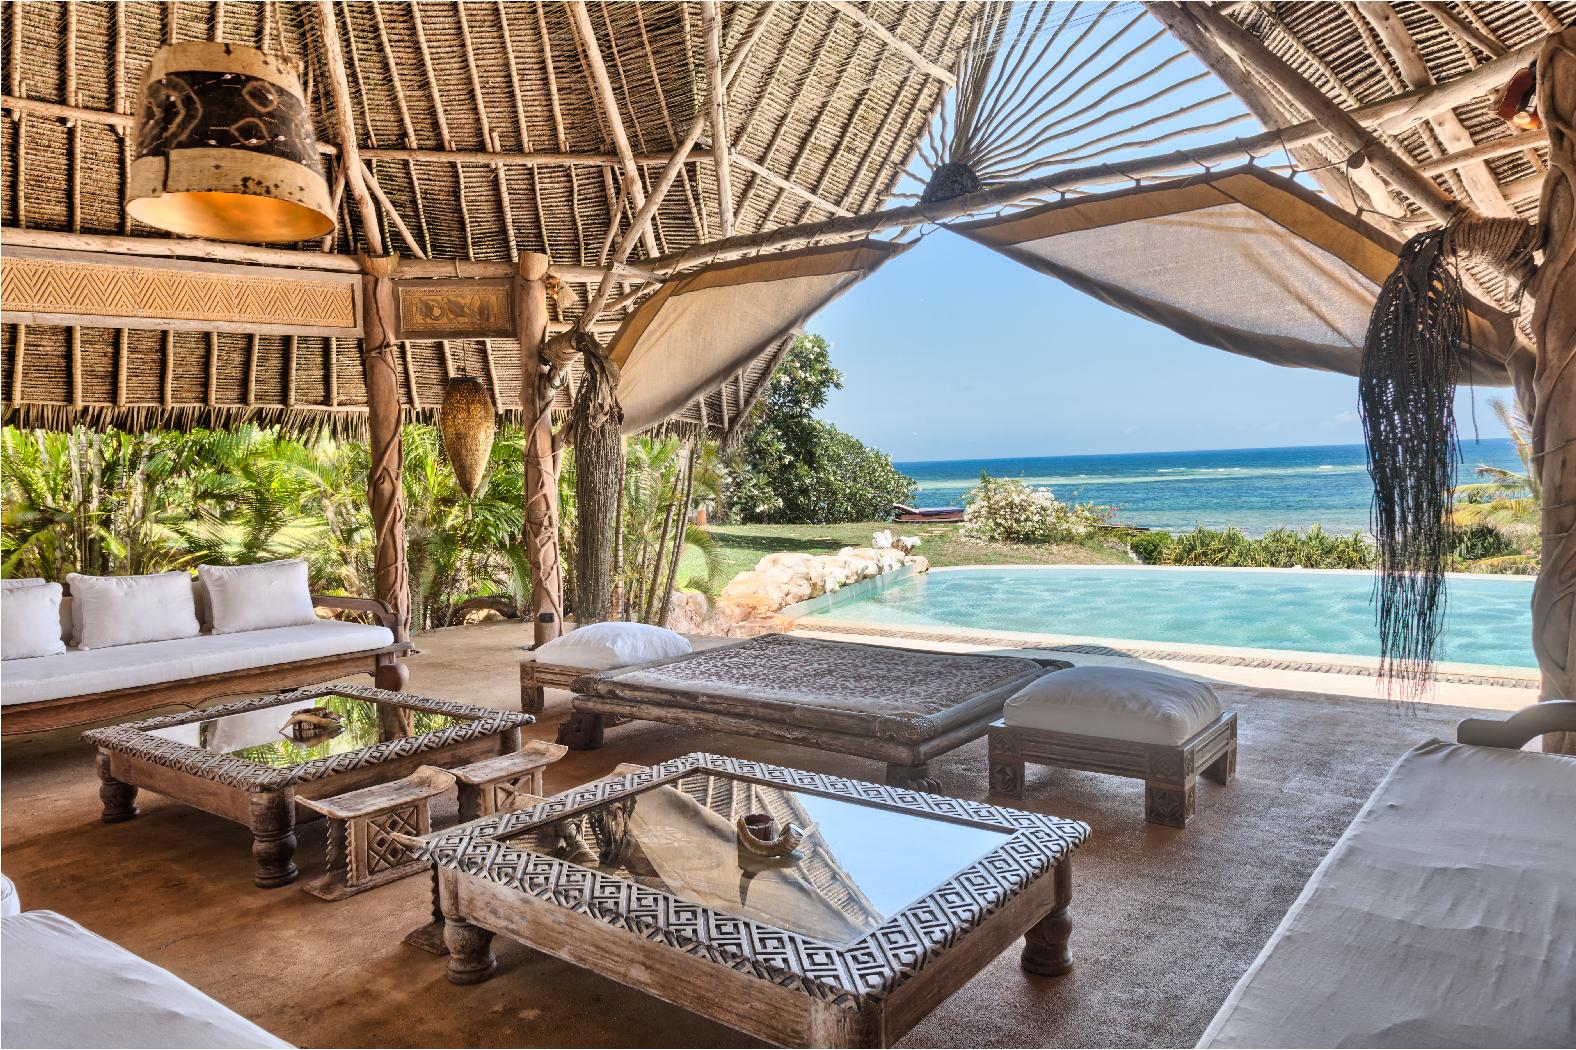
{"x":1488,"y":621}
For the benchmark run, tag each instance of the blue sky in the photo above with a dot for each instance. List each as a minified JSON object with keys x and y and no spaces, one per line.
{"x":953,"y":351}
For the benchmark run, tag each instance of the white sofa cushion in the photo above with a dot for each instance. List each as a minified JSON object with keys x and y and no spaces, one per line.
{"x":125,"y":610}
{"x":13,"y":582}
{"x":255,"y":597}
{"x":83,"y":671}
{"x":65,"y":986}
{"x":600,"y":646}
{"x":1145,"y":707}
{"x":30,"y":622}
{"x":10,"y":903}
{"x":1442,"y":917}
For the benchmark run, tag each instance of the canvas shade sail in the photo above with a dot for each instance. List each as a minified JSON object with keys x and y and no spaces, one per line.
{"x":1242,"y":260}
{"x":698,"y":331}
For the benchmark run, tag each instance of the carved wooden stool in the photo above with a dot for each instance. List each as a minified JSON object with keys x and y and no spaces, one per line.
{"x":1161,"y":729}
{"x":505,"y":782}
{"x":370,"y":830}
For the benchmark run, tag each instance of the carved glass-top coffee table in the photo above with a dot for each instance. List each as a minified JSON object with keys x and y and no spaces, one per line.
{"x":243,"y":762}
{"x":893,"y":899}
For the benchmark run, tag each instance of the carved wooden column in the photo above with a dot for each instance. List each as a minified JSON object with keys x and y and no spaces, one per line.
{"x":1554,"y":383}
{"x":385,"y":488}
{"x":541,"y":470}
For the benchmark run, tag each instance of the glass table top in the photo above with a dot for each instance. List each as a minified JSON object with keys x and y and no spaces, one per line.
{"x":856,"y":866}
{"x":278,"y":736}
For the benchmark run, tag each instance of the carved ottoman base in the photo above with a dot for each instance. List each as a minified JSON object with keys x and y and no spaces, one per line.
{"x":1169,"y":771}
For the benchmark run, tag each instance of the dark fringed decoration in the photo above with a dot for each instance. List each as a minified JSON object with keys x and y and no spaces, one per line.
{"x":599,"y":481}
{"x":1406,"y":396}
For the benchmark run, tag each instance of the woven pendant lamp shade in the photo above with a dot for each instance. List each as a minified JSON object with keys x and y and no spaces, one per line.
{"x":225,"y":148}
{"x":466,"y":419}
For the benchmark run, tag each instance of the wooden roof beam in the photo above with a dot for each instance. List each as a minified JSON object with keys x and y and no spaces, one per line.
{"x":897,"y":43}
{"x":719,"y":114}
{"x":1338,"y":122}
{"x":1469,"y":33}
{"x":1481,"y":185}
{"x":603,"y":87}
{"x":781,"y":183}
{"x":339,"y":83}
{"x":227,"y":251}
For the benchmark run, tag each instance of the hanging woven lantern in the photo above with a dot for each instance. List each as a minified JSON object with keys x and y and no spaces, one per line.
{"x":224,"y":148}
{"x":467,"y":422}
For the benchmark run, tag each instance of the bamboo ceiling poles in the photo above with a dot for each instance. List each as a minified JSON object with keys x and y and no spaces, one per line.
{"x":1554,"y":383}
{"x":541,"y":473}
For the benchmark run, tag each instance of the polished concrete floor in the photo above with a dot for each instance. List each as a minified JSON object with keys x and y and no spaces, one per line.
{"x":1165,"y":920}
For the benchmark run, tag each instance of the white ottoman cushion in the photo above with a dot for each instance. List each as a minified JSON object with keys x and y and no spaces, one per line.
{"x":1144,"y":707}
{"x":603,"y":646}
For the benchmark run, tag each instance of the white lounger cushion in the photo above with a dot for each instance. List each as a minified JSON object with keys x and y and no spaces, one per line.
{"x":1145,"y":707}
{"x":30,"y":622}
{"x":127,"y":610}
{"x":256,"y":597}
{"x":79,"y":672}
{"x":1444,"y":916}
{"x":65,"y":986}
{"x":602,"y":646}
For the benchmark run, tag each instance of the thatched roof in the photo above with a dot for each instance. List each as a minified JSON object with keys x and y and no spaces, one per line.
{"x":487,"y":136}
{"x":824,"y":110}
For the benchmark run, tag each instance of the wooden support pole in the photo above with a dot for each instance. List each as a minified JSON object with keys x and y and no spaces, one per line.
{"x":1339,"y":123}
{"x":385,"y":485}
{"x":1554,"y":384}
{"x":541,"y":475}
{"x":610,"y":109}
{"x":719,"y":112}
{"x":898,"y":44}
{"x":345,"y":122}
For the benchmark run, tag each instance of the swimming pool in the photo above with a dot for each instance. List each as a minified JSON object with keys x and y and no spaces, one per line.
{"x":1488,"y":620}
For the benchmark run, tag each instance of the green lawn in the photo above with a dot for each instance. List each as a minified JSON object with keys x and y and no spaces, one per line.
{"x":744,"y":545}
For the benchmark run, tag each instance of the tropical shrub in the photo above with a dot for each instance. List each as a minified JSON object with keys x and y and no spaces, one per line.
{"x":1506,"y":504}
{"x":792,"y":468}
{"x":1276,"y":549}
{"x":1005,"y":510}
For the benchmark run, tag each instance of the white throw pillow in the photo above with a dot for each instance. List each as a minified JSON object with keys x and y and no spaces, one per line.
{"x":30,"y":622}
{"x":13,"y":583}
{"x":257,"y":597}
{"x":1145,"y":707}
{"x":600,"y":646}
{"x":124,"y":610}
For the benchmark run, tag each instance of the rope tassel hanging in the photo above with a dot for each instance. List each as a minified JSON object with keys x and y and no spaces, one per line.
{"x":1412,"y":360}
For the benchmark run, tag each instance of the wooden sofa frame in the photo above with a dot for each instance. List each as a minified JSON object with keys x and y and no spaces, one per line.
{"x":1169,"y":771}
{"x":384,"y":665}
{"x":1529,"y":723}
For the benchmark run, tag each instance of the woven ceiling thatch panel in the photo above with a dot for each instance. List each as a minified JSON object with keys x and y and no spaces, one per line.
{"x":822,"y":101}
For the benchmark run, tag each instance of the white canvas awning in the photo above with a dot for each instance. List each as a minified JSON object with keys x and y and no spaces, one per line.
{"x":697,"y":331}
{"x":1241,"y":260}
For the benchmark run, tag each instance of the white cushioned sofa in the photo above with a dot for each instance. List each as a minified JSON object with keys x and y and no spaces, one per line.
{"x":65,"y":986}
{"x":72,"y":684}
{"x":1444,"y":916}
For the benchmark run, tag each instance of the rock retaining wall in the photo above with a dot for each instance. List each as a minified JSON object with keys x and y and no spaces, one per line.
{"x":751,"y":602}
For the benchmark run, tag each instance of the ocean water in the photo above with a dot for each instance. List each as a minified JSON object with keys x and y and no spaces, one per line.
{"x":1488,"y":620}
{"x":1253,"y":489}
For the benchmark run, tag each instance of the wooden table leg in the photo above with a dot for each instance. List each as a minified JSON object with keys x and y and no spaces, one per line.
{"x":1045,"y":944}
{"x":120,"y":799}
{"x":273,"y":838}
{"x":581,"y":731}
{"x":471,"y":960}
{"x":915,"y":778}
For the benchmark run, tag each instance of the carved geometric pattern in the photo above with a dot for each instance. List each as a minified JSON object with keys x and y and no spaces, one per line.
{"x":857,"y":974}
{"x":371,"y":846}
{"x":103,"y":289}
{"x":134,"y":738}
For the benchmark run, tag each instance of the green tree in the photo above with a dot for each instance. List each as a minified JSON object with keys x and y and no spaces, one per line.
{"x":793,"y":468}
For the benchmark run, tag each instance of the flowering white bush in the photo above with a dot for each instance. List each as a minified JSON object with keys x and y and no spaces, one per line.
{"x":1005,"y":510}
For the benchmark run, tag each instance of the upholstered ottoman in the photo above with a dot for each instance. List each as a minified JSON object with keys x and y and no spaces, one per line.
{"x":1163,"y":729}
